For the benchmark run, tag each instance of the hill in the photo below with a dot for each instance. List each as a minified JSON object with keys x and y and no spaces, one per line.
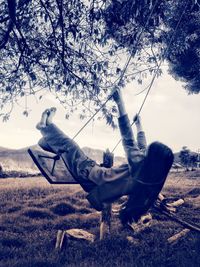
{"x":97,"y":154}
{"x":19,"y":159}
{"x":16,"y":160}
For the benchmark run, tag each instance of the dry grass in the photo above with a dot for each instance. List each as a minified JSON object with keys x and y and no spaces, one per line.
{"x":32,"y":211}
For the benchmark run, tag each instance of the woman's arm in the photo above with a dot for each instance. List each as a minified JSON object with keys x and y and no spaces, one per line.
{"x":137,"y":121}
{"x":141,"y":138}
{"x":117,"y":96}
{"x":128,"y":140}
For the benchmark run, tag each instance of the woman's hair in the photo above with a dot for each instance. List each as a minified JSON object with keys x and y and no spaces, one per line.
{"x":148,"y":181}
{"x":156,"y":164}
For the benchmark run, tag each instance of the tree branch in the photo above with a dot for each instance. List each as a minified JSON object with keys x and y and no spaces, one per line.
{"x":6,"y":36}
{"x":12,"y":19}
{"x":51,"y":21}
{"x":4,"y":19}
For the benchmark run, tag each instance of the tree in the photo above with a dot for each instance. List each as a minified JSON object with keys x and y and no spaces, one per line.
{"x":1,"y":169}
{"x":188,"y":158}
{"x":79,"y":50}
{"x":193,"y":160}
{"x":2,"y":174}
{"x":185,"y":157}
{"x":66,"y":48}
{"x":174,"y":25}
{"x":184,"y":55}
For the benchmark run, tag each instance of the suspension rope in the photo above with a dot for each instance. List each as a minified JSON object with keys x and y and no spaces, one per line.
{"x":123,"y":72}
{"x":91,"y":118}
{"x":159,"y":65}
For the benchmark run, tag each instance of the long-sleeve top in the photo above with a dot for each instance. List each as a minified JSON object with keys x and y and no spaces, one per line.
{"x":121,"y":180}
{"x":135,"y":151}
{"x":108,"y":184}
{"x":126,"y":180}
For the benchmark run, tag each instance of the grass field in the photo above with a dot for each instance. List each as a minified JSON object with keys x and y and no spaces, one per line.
{"x":32,"y":211}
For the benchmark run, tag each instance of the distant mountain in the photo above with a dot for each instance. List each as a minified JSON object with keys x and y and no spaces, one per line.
{"x":97,"y":155}
{"x":19,"y":159}
{"x":16,"y":160}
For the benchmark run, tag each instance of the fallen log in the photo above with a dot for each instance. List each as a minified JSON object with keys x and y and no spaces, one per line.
{"x":164,"y":206}
{"x":133,"y":240}
{"x":177,"y":203}
{"x":144,"y":222}
{"x":79,"y":234}
{"x":105,"y":221}
{"x":164,"y":203}
{"x":74,"y":234}
{"x":146,"y":219}
{"x":178,"y":220}
{"x":173,"y":239}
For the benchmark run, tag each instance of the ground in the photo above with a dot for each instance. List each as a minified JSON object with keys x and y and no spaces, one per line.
{"x":32,"y":211}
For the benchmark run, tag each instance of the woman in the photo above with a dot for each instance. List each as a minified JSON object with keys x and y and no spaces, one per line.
{"x":142,"y":178}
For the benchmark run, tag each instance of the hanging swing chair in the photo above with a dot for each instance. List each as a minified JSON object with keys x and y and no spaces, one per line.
{"x":53,"y":168}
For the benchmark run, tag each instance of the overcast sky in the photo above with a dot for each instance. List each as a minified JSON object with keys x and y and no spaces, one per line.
{"x":170,"y":115}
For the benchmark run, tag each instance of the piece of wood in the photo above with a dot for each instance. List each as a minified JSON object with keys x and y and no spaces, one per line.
{"x":173,"y":239}
{"x":144,"y":222}
{"x":178,"y":220}
{"x":177,"y":203}
{"x":133,"y":240}
{"x":79,"y":234}
{"x":161,"y":197}
{"x":170,"y":207}
{"x":163,"y":205}
{"x":60,"y":239}
{"x":146,"y":219}
{"x":117,"y":207}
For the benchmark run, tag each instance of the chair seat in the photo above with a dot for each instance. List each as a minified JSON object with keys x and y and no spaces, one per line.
{"x":51,"y":166}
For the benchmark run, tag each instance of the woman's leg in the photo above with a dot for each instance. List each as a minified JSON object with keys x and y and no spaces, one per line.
{"x":43,"y":144}
{"x":76,"y":161}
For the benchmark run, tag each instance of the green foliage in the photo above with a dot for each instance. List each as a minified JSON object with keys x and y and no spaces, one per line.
{"x":79,"y":50}
{"x":1,"y":169}
{"x":64,"y":47}
{"x":171,"y":26}
{"x":183,"y":54}
{"x":193,"y":160}
{"x":127,"y":20}
{"x":188,"y":158}
{"x":185,"y":156}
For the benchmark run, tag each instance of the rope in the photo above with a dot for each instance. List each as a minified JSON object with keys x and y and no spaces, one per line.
{"x":91,"y":117}
{"x":159,"y":65}
{"x":122,"y":75}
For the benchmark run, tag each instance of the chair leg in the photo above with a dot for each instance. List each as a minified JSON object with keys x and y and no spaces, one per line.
{"x":105,"y":221}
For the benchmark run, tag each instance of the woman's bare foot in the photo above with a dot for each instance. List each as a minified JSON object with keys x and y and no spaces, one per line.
{"x":50,"y":116}
{"x":43,"y":121}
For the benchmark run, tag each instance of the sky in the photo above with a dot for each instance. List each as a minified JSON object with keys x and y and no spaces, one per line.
{"x":169,"y":115}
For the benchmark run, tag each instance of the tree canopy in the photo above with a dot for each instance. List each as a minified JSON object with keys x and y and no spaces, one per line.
{"x":188,"y":158}
{"x":80,"y":49}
